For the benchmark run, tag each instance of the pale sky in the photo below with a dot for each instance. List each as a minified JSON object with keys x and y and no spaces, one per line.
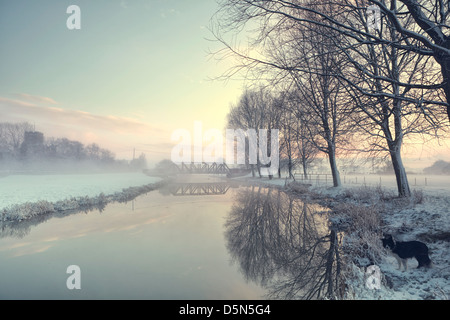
{"x":136,"y":71}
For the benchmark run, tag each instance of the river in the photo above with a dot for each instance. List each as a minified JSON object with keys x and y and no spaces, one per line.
{"x":189,"y":240}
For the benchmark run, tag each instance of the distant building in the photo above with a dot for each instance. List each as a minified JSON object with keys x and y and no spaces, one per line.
{"x":32,"y":145}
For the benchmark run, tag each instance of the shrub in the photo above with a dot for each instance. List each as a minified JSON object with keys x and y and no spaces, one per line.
{"x":362,"y":227}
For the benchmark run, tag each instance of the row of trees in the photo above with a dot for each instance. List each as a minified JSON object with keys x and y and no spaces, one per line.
{"x":12,"y":138}
{"x":262,"y":109}
{"x":15,"y":149}
{"x":339,"y":80}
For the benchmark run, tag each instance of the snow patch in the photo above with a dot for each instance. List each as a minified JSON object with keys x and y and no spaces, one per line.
{"x":24,"y":197}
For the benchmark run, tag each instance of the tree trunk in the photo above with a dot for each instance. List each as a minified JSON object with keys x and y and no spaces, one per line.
{"x":305,"y":170}
{"x":291,"y":174}
{"x":400,"y":172}
{"x":333,"y":166}
{"x":304,"y":159}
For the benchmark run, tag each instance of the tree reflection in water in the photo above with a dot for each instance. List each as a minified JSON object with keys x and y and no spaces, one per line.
{"x":284,"y":244}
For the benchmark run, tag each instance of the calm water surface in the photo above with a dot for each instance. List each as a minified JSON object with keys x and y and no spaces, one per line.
{"x":188,"y":241}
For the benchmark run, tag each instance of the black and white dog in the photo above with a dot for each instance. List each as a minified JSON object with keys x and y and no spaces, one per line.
{"x":406,"y":250}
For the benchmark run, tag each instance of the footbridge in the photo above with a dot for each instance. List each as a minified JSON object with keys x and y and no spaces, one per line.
{"x":199,"y":189}
{"x":203,"y":168}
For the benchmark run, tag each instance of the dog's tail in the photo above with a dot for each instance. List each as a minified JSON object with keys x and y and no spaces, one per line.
{"x":424,"y":261}
{"x":428,"y":263}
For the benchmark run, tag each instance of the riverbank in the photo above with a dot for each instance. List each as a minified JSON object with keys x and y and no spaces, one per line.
{"x":362,"y":214}
{"x":25,"y":197}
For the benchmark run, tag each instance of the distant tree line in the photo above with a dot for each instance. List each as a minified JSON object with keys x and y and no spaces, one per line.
{"x":21,"y":144}
{"x":439,"y":167}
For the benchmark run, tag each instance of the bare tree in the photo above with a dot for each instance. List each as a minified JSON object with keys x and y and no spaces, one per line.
{"x":322,"y":107}
{"x":426,"y":36}
{"x":320,"y":91}
{"x":12,"y":135}
{"x":295,"y":145}
{"x":297,"y":53}
{"x":300,"y":134}
{"x":288,"y":130}
{"x":256,"y":109}
{"x":382,"y":80}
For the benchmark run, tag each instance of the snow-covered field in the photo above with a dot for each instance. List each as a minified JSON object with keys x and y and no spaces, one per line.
{"x":19,"y":189}
{"x":426,"y":218}
{"x":416,"y":181}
